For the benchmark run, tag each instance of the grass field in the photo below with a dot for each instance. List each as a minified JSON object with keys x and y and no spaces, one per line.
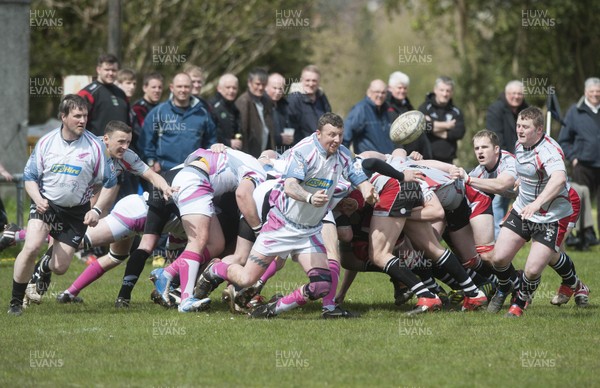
{"x":93,"y":344}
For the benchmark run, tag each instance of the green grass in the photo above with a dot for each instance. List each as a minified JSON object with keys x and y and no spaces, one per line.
{"x":93,"y":344}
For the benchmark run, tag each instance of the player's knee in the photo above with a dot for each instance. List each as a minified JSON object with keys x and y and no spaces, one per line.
{"x":60,"y":268}
{"x":117,"y":259}
{"x":319,"y":283}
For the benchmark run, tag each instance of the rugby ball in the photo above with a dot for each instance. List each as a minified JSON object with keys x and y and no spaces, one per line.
{"x":407,"y":127}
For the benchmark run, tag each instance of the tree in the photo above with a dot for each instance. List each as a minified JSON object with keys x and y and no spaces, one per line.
{"x":164,"y":35}
{"x":548,"y":45}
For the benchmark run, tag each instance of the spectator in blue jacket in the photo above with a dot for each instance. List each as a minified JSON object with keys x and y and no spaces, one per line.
{"x":367,"y":126}
{"x":176,"y":127}
{"x":306,"y":107}
{"x":580,"y":141}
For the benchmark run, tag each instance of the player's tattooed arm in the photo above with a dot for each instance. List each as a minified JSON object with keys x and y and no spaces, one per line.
{"x":259,"y":261}
{"x":293,"y":189}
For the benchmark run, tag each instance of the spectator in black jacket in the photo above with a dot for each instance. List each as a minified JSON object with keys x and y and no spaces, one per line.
{"x":107,"y":101}
{"x":502,"y":115}
{"x":501,"y":118}
{"x":225,"y":114}
{"x":445,"y":122}
{"x":580,"y":140}
{"x":307,"y":106}
{"x":398,"y":103}
{"x":284,"y":133}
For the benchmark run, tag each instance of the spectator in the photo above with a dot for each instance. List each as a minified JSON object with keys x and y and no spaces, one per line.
{"x":225,"y":114}
{"x":398,"y":103}
{"x":501,"y":118}
{"x":367,"y":126}
{"x":446,"y":125}
{"x":176,"y":127}
{"x":284,"y":133}
{"x":580,"y":140}
{"x":502,"y":115}
{"x":152,"y":88}
{"x":307,"y":106}
{"x":198,"y":78}
{"x":107,"y":101}
{"x":256,"y":115}
{"x":126,"y":81}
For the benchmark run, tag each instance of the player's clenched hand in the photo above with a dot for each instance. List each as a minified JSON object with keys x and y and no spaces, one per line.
{"x":91,"y":218}
{"x":319,"y":199}
{"x":41,"y":206}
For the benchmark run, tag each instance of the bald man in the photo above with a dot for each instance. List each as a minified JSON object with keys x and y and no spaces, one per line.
{"x":284,"y":133}
{"x":225,"y":114}
{"x":367,"y":127}
{"x":176,"y":127}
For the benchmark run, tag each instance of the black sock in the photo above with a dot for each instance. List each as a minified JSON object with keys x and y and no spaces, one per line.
{"x":566,"y":269}
{"x":478,"y":279}
{"x":404,"y":275}
{"x":45,"y":261}
{"x":525,"y":292}
{"x":371,"y":267}
{"x":18,"y":293}
{"x":133,"y":270}
{"x":441,"y":274}
{"x":484,"y":269}
{"x":504,"y":275}
{"x":38,"y":270}
{"x":450,"y":263}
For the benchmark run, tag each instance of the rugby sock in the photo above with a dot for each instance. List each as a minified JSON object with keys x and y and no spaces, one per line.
{"x":504,"y":277}
{"x":38,"y":270}
{"x":477,"y":278}
{"x":440,"y":273}
{"x":432,"y":285}
{"x":45,"y":261}
{"x":291,"y":301}
{"x":525,"y":293}
{"x":566,"y":269}
{"x":90,"y":274}
{"x":450,"y":263}
{"x":189,"y":264}
{"x":18,"y":292}
{"x":20,"y":235}
{"x":515,"y":278}
{"x":174,"y":268}
{"x":271,"y":270}
{"x":405,"y":276}
{"x":334,"y":268}
{"x":220,"y":269}
{"x":479,"y":266}
{"x":133,"y":270}
{"x":371,"y":267}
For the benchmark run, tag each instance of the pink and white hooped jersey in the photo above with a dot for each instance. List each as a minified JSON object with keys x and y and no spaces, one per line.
{"x":535,"y":165}
{"x":227,"y":169}
{"x":308,"y":163}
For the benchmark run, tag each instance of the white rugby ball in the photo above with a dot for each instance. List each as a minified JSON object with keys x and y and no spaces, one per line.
{"x":407,"y":127}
